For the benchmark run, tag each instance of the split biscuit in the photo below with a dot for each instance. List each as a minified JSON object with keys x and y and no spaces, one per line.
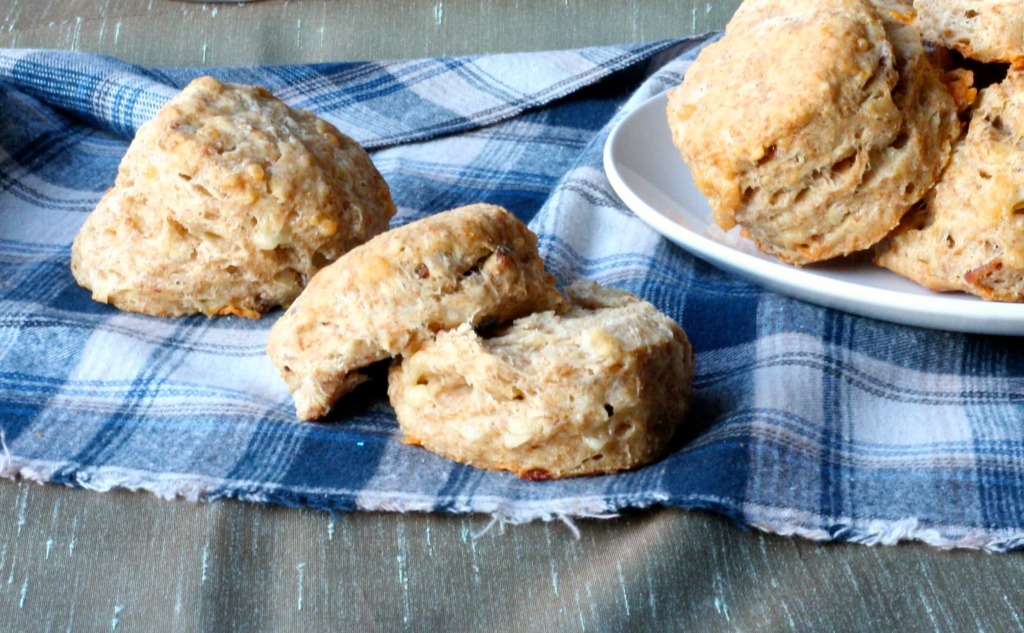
{"x":227,"y":202}
{"x":598,"y":389}
{"x":814,"y":124}
{"x":393,"y":294}
{"x":969,"y":233}
{"x":985,"y":30}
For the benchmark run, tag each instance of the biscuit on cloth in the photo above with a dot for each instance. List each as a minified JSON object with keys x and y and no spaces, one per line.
{"x":600,"y":388}
{"x":814,"y":124}
{"x":985,"y":30}
{"x":389,"y":296}
{"x":227,"y":202}
{"x":969,"y":233}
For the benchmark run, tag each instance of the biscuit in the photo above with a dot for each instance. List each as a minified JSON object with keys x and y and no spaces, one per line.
{"x":985,"y":30}
{"x":389,"y":296}
{"x":227,"y":202}
{"x":814,"y":154}
{"x":969,"y":233}
{"x":598,"y":389}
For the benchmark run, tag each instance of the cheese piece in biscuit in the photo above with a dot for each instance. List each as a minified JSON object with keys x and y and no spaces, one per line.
{"x":227,"y":202}
{"x":598,"y":389}
{"x":389,"y":296}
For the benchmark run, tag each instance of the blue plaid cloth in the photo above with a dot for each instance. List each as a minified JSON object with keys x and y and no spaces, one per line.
{"x":805,"y":421}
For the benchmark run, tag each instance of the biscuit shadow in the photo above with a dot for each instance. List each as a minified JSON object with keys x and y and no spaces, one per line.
{"x":365,"y":399}
{"x":704,"y":410}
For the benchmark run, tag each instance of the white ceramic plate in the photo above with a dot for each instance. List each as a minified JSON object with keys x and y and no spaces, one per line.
{"x":648,"y":174}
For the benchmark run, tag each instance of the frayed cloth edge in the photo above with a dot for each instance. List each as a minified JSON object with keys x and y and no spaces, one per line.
{"x":502,"y":512}
{"x":875,"y":532}
{"x":171,"y":486}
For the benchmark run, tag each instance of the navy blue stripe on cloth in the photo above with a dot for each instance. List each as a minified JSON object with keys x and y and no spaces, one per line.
{"x":804,"y":421}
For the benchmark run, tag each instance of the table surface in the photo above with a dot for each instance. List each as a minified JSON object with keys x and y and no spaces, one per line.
{"x":77,"y":560}
{"x":302,"y":31}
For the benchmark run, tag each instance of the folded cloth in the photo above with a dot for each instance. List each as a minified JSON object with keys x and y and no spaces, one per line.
{"x":805,"y":420}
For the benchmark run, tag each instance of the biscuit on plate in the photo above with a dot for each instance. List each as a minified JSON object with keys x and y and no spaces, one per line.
{"x":389,"y":296}
{"x":598,"y":389}
{"x":814,"y":124}
{"x":985,"y":30}
{"x":227,"y":202}
{"x":969,"y":233}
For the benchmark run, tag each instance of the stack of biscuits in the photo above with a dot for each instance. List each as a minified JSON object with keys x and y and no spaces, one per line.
{"x":230,"y":202}
{"x":824,"y":128}
{"x":492,"y":366}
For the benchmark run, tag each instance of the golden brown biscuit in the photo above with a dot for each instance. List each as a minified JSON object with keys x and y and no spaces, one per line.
{"x":226,"y":203}
{"x":598,"y":389}
{"x":389,"y":296}
{"x":969,"y":234}
{"x":814,"y":124}
{"x":986,"y":30}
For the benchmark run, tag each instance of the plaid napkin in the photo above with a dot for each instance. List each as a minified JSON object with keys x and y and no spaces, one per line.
{"x":805,"y":421}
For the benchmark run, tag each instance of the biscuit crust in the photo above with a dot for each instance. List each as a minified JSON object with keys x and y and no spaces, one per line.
{"x":227,"y":202}
{"x":814,"y":155}
{"x":969,"y":233}
{"x":391,"y":295}
{"x":598,"y":389}
{"x":985,"y":30}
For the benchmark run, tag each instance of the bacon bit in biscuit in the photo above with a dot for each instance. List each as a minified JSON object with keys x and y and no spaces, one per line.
{"x":236,"y":311}
{"x":906,"y":18}
{"x":536,"y":474}
{"x":977,"y":276}
{"x":943,"y":58}
{"x":960,"y":83}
